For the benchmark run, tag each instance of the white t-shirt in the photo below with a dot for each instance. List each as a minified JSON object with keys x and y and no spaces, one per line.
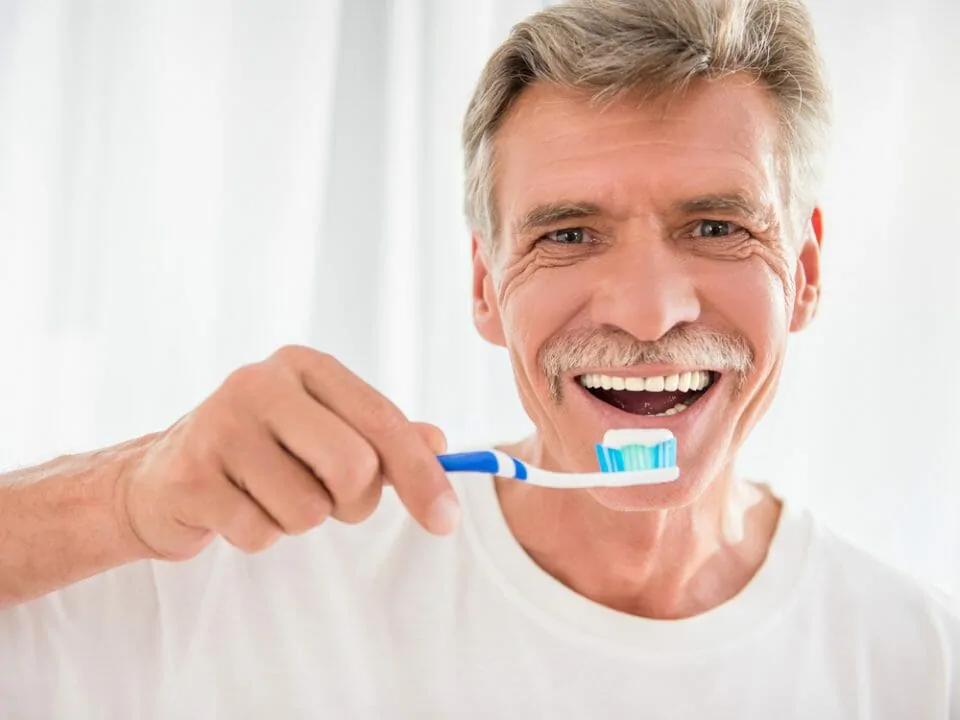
{"x":382,"y":620}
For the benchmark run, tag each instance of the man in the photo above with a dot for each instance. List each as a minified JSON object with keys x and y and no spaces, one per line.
{"x":641,"y":187}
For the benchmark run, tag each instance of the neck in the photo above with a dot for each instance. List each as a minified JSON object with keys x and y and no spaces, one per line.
{"x":663,"y":564}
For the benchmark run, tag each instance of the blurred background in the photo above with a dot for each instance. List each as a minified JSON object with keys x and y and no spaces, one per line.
{"x":185,"y":187}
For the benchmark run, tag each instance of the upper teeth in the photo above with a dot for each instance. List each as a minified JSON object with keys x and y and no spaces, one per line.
{"x":695,"y":380}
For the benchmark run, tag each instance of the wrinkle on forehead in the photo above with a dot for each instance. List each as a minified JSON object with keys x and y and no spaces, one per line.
{"x":624,"y":162}
{"x":554,"y":134}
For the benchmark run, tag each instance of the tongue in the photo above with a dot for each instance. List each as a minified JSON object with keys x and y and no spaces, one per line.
{"x":642,"y":403}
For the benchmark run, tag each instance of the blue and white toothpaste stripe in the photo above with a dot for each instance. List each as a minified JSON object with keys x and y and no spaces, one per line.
{"x":637,"y":457}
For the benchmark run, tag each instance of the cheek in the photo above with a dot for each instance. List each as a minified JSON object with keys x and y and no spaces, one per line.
{"x":537,"y":304}
{"x":752,"y":296}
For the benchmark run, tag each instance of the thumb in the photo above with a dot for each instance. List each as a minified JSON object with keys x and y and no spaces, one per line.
{"x":433,"y":436}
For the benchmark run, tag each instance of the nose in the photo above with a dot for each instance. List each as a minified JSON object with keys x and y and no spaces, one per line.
{"x":646,"y":288}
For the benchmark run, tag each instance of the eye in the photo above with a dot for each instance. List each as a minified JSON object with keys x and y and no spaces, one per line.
{"x":568,"y":236}
{"x":715,"y":229}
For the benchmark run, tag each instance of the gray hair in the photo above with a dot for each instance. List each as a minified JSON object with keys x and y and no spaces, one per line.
{"x":611,"y":48}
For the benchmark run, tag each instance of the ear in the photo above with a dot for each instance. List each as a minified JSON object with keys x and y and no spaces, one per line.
{"x":807,"y":280}
{"x":486,"y":311}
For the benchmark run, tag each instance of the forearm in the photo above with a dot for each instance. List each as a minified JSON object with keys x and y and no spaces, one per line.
{"x":59,"y":522}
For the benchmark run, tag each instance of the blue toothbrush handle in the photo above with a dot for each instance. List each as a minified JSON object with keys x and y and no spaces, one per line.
{"x":484,"y":461}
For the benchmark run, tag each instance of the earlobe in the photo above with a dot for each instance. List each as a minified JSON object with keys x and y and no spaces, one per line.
{"x":807,"y":299}
{"x":486,"y":311}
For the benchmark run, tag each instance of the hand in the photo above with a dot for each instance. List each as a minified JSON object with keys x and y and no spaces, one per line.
{"x":281,"y":446}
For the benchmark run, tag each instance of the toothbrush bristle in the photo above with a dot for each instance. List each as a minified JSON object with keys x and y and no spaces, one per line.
{"x":637,"y":457}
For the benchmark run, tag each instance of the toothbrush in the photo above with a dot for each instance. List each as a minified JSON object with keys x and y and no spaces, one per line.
{"x":626,"y":457}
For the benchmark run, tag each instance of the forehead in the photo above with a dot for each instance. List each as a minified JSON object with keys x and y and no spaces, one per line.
{"x":630,"y":157}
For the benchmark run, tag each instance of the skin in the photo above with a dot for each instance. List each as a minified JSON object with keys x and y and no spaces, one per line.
{"x":639,"y":262}
{"x":285,"y":444}
{"x":282,"y":446}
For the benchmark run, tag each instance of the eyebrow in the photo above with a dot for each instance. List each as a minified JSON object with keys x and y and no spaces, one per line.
{"x":543,"y":216}
{"x":735,"y":203}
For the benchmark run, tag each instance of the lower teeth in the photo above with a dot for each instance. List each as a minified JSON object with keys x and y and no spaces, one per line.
{"x":678,"y":408}
{"x":681,"y":406}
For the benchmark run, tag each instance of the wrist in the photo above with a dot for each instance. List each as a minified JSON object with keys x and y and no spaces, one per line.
{"x":116,"y":470}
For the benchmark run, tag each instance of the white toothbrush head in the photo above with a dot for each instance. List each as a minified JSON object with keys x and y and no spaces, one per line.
{"x":635,"y":449}
{"x":621,"y":437}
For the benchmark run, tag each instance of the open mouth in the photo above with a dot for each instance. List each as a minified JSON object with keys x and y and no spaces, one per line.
{"x":653,"y":396}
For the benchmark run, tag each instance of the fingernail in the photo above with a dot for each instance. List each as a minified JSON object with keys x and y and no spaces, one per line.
{"x":444,"y":515}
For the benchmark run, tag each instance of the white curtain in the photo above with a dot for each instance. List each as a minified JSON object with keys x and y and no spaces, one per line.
{"x":185,"y":187}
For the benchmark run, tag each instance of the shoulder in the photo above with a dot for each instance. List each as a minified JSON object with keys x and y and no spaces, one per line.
{"x":857,"y":572}
{"x":882,"y":599}
{"x":879,"y":623}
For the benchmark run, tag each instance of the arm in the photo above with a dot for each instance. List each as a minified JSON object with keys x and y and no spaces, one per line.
{"x":59,"y":522}
{"x":279,"y":448}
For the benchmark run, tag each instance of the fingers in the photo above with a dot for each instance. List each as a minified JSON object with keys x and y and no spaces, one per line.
{"x":432,"y":436}
{"x":280,"y":447}
{"x":335,"y":454}
{"x":228,"y":511}
{"x":405,"y":452}
{"x":286,"y":489}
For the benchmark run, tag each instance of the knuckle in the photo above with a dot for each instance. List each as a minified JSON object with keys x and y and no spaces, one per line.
{"x":421,"y":469}
{"x":254,"y":539}
{"x":313,"y":511}
{"x":255,"y":542}
{"x":364,"y":466}
{"x":354,"y":474}
{"x":381,"y":417}
{"x":295,"y":356}
{"x":361,"y":508}
{"x":323,"y":360}
{"x":418,"y":474}
{"x":244,"y":524}
{"x":247,"y":381}
{"x":238,"y":520}
{"x":321,"y":365}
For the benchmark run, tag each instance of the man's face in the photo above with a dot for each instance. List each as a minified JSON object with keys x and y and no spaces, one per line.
{"x":644,"y":246}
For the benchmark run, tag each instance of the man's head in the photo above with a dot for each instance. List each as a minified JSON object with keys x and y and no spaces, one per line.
{"x":641,"y":183}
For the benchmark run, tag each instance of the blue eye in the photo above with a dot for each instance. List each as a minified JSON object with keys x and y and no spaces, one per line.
{"x":567,"y":236}
{"x":715,"y":229}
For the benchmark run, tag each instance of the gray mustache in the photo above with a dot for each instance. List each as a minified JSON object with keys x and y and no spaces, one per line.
{"x":611,"y":347}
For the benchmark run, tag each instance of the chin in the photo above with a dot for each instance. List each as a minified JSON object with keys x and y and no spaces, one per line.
{"x":683,"y":491}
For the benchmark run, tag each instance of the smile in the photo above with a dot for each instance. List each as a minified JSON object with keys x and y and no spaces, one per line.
{"x":652,"y":396}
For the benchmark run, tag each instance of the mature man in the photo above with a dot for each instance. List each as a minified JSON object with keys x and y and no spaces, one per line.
{"x":641,"y":186}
